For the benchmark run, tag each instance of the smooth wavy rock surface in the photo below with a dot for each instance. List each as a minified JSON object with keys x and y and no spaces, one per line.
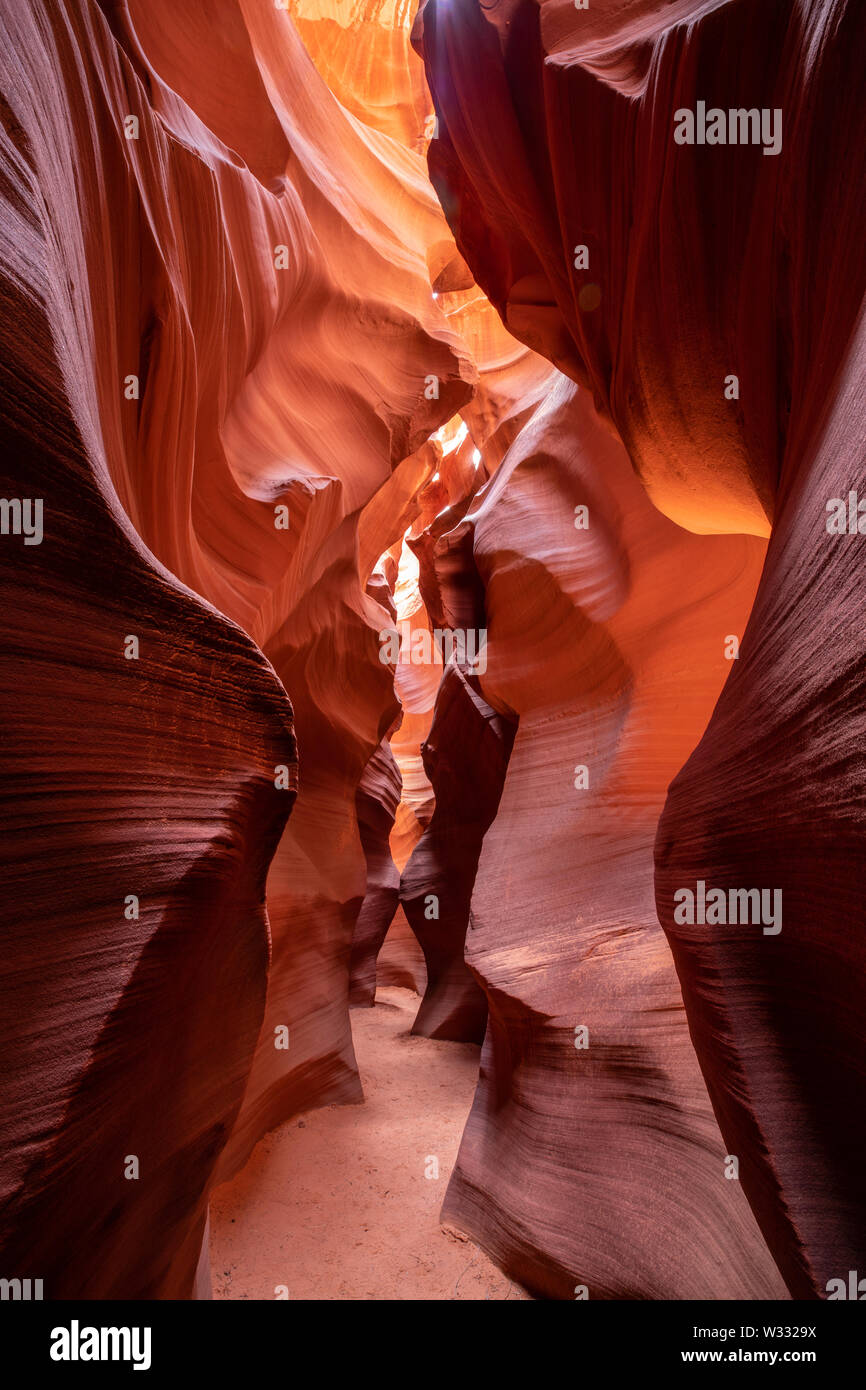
{"x":772,"y":799}
{"x":139,"y":815}
{"x":465,"y":756}
{"x":592,"y":1160}
{"x":221,"y":280}
{"x":377,"y":800}
{"x":264,"y":406}
{"x":655,"y":273}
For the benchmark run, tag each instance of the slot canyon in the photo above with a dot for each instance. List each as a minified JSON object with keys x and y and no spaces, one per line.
{"x":433,"y":649}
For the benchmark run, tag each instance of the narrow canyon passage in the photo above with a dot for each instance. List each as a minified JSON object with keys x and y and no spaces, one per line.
{"x":343,"y":1203}
{"x":431,"y":545}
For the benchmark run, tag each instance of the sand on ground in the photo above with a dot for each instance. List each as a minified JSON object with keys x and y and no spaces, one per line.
{"x":338,"y":1204}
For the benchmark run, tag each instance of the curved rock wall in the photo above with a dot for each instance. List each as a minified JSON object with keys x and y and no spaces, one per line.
{"x":255,"y":409}
{"x":710,"y":295}
{"x":225,"y":292}
{"x":606,"y":642}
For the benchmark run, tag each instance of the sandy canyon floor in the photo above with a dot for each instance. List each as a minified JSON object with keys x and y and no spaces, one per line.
{"x":336,"y":1204}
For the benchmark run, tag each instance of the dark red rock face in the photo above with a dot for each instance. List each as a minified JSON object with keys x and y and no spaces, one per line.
{"x":465,"y":756}
{"x":556,"y":131}
{"x":203,"y":327}
{"x":572,"y":364}
{"x":772,"y":798}
{"x":140,"y":815}
{"x":377,"y":800}
{"x":589,"y":1081}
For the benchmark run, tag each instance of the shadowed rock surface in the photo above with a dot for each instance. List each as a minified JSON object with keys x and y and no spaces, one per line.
{"x":653,"y":273}
{"x":255,"y":411}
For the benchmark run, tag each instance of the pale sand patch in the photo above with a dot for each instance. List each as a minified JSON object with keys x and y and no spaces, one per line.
{"x":335,"y":1204}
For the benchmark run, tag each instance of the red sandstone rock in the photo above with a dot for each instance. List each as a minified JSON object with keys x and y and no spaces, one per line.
{"x":377,"y":800}
{"x":699,"y":263}
{"x":772,"y":799}
{"x":217,"y":248}
{"x":465,"y":756}
{"x":189,"y":206}
{"x":598,"y":1166}
{"x":139,"y":815}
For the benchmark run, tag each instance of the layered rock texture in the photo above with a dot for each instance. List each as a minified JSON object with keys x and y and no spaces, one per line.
{"x":330,"y":332}
{"x":220,"y":342}
{"x":710,"y":295}
{"x":606,"y":643}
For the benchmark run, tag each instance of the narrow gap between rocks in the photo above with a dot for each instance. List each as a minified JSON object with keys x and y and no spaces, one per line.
{"x":343,"y":1202}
